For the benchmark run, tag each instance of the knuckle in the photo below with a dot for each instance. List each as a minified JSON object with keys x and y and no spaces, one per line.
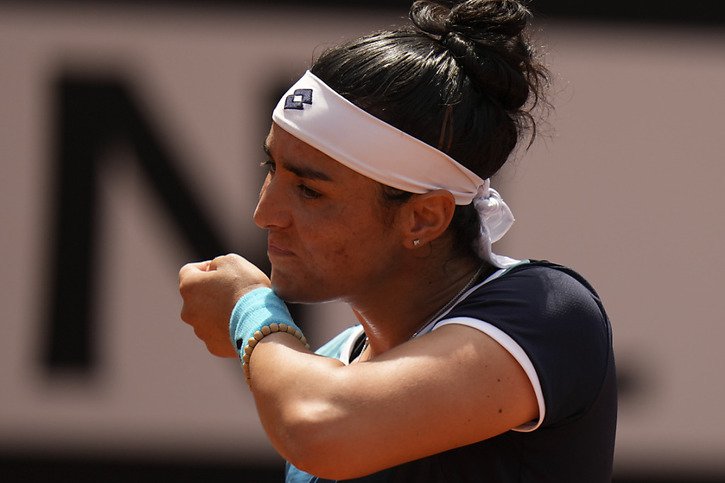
{"x":185,"y":316}
{"x":184,"y":289}
{"x":185,"y":268}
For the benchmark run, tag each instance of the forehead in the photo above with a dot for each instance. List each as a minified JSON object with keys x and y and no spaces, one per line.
{"x":287,"y":150}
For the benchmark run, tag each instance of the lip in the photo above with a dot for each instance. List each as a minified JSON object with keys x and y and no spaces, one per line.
{"x":274,"y":249}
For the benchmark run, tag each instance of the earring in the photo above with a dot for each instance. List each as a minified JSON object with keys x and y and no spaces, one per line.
{"x":416,"y":242}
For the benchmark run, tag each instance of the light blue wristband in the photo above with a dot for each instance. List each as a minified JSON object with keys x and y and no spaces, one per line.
{"x":257,"y":314}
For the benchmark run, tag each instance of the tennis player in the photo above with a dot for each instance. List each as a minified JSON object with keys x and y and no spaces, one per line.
{"x":466,"y":366}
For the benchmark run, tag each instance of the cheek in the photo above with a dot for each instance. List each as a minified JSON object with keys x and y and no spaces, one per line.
{"x":346,"y":233}
{"x":335,"y":247}
{"x":357,"y":245}
{"x":342,"y":256}
{"x":328,"y":236}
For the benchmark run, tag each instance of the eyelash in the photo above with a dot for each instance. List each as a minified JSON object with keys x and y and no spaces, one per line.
{"x":270,"y":165}
{"x":305,"y":191}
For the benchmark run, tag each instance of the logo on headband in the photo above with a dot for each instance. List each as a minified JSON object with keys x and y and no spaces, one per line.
{"x":297,"y":99}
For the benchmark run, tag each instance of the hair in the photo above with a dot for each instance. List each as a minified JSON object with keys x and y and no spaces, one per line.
{"x":462,"y":78}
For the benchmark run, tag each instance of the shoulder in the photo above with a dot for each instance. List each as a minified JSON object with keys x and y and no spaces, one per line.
{"x":552,"y":315}
{"x":538,"y":292}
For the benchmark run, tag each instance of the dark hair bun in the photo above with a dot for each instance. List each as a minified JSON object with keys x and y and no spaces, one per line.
{"x":487,"y":39}
{"x":487,"y":19}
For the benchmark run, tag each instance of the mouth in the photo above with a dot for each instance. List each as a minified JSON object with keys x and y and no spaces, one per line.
{"x":274,"y":249}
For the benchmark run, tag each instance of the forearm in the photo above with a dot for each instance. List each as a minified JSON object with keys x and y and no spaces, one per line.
{"x":296,"y":393}
{"x":292,"y":386}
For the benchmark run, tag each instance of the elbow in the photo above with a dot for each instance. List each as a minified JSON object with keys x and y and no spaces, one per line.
{"x":317,"y":462}
{"x":312,"y":438}
{"x":324,"y":462}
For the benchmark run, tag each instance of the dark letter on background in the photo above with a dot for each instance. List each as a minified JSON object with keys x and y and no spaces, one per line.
{"x":92,"y":114}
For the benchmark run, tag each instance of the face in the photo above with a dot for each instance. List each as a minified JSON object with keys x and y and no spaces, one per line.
{"x":327,"y":236}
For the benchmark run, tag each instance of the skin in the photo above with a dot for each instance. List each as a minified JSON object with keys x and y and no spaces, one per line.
{"x":329,"y":238}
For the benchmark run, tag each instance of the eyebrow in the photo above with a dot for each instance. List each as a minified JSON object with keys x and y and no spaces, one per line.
{"x":300,"y":171}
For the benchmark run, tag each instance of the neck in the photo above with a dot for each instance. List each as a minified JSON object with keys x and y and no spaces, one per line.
{"x":390,"y":320}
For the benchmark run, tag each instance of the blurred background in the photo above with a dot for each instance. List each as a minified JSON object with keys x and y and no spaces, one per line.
{"x":130,"y":139}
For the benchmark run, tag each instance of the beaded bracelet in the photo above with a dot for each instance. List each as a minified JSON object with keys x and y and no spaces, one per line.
{"x":256,"y":315}
{"x":264,"y":331}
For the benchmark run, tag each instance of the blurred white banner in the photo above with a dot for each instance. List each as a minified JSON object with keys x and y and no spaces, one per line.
{"x":628,"y":190}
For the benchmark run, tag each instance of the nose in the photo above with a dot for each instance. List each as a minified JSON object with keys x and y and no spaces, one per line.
{"x":271,"y":210}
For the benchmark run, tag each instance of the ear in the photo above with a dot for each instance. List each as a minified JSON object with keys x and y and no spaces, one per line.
{"x":427,"y":217}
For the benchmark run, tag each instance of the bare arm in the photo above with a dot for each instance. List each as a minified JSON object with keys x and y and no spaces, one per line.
{"x":452,"y":387}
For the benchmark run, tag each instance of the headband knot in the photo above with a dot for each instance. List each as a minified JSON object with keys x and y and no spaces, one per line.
{"x":495,"y":219}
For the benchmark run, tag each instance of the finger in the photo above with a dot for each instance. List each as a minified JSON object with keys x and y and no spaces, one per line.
{"x":191,"y":275}
{"x":194,"y":267}
{"x":217,"y":262}
{"x":228,"y":260}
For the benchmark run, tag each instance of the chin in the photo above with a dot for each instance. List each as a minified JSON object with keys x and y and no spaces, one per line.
{"x":298,"y":296}
{"x":296,"y":293}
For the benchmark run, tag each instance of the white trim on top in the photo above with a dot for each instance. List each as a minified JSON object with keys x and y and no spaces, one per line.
{"x":349,"y":345}
{"x":516,"y":351}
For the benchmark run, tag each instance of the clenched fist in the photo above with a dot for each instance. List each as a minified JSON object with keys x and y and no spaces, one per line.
{"x":209,"y":290}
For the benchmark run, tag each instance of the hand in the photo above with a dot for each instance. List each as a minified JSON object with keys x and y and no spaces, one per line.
{"x":209,"y":290}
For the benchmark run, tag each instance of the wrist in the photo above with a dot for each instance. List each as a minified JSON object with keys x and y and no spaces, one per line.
{"x":257,"y":314}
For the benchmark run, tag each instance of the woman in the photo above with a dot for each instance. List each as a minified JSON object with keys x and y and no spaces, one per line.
{"x":466,"y":365}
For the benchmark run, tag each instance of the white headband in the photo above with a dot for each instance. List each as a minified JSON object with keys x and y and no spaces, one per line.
{"x":317,"y":115}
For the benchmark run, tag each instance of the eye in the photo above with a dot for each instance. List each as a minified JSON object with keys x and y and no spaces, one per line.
{"x":270,"y":165}
{"x":307,"y":192}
